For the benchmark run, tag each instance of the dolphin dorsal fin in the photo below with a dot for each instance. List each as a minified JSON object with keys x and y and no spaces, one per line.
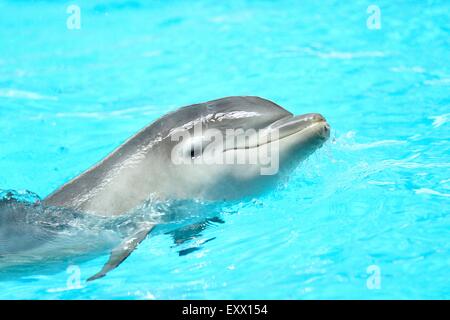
{"x":123,"y":250}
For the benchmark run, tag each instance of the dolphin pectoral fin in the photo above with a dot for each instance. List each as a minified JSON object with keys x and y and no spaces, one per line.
{"x":189,"y":233}
{"x":192,"y":231}
{"x":123,"y":250}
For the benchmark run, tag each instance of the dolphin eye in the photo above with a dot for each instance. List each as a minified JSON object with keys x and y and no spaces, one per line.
{"x":195,"y":151}
{"x":194,"y":148}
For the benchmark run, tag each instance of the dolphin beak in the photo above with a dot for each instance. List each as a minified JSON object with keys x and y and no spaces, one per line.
{"x":285,"y":127}
{"x":290,"y":125}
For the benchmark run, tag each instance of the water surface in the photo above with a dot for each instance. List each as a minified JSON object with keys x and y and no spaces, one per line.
{"x":377,"y":194}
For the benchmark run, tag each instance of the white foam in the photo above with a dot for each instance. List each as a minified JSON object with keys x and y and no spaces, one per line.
{"x":431,"y":192}
{"x":438,"y":82}
{"x":440,"y":120}
{"x":21,"y":94}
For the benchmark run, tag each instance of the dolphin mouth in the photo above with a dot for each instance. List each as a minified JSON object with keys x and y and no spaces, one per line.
{"x":292,"y":125}
{"x":286,"y":127}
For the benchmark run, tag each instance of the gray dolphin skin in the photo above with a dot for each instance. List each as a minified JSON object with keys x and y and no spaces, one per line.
{"x":144,"y":166}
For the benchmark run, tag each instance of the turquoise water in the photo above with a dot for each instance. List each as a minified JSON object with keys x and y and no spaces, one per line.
{"x":375,"y":197}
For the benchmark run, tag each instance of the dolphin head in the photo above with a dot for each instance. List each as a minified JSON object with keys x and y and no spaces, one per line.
{"x":223,"y":149}
{"x":236,"y":146}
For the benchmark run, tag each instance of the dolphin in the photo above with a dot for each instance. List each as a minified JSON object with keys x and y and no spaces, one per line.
{"x":179,"y":156}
